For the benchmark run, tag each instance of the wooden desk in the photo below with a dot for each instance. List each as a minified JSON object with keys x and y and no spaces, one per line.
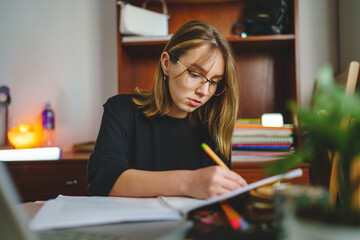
{"x":43,"y":180}
{"x":253,"y":171}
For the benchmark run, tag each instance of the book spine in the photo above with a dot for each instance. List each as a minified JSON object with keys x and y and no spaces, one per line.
{"x":262,"y":139}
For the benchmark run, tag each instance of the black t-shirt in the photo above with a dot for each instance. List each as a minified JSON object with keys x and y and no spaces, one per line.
{"x":129,"y":140}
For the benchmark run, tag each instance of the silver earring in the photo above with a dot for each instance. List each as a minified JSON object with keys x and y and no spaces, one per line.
{"x":165,"y":77}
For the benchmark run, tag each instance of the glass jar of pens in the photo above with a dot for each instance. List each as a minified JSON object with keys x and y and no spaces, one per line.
{"x":291,"y":197}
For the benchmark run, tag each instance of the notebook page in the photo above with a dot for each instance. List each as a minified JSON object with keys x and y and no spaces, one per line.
{"x":68,"y":212}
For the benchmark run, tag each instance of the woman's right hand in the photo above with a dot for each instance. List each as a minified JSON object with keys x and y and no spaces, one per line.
{"x":213,"y":181}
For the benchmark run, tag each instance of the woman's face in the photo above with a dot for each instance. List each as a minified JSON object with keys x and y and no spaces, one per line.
{"x":187,"y":98}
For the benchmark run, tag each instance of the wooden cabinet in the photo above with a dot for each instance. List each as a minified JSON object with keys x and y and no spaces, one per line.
{"x":42,"y":180}
{"x":253,"y":172}
{"x":267,"y":65}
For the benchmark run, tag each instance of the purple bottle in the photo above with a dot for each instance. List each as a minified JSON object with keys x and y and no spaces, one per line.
{"x":48,"y":123}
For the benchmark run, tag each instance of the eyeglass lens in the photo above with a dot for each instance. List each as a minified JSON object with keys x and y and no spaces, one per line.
{"x":196,"y":80}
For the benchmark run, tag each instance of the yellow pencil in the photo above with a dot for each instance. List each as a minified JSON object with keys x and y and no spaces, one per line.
{"x":234,"y":218}
{"x":213,"y":155}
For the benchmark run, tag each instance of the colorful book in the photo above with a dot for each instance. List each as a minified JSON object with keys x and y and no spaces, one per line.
{"x":262,"y":132}
{"x":257,"y":156}
{"x":260,"y":126}
{"x":262,"y":139}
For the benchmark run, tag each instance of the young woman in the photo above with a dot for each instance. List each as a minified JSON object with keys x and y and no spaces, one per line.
{"x":149,"y":143}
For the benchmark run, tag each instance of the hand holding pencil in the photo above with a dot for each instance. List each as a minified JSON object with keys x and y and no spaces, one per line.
{"x":236,"y":221}
{"x":212,"y":181}
{"x":231,"y":180}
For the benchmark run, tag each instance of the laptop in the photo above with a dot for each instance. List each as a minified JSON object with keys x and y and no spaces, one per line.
{"x":13,"y":223}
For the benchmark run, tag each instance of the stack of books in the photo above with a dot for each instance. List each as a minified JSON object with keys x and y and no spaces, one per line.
{"x":255,"y":142}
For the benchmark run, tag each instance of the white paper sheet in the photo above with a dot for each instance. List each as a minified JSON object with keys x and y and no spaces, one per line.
{"x":289,"y":175}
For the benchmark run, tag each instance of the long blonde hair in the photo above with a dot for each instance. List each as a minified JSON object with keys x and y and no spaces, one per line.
{"x":218,"y":115}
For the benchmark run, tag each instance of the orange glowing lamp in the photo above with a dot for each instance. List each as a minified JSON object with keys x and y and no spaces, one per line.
{"x":23,"y":136}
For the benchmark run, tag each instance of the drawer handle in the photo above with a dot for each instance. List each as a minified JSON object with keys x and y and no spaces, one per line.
{"x":71,"y":182}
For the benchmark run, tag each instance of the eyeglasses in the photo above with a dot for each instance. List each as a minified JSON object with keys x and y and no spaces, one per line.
{"x":196,"y":80}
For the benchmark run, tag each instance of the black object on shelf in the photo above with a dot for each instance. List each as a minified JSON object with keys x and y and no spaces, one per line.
{"x":265,"y":17}
{"x":4,"y":102}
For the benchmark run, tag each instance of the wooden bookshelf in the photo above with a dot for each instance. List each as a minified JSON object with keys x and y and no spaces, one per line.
{"x":267,"y":65}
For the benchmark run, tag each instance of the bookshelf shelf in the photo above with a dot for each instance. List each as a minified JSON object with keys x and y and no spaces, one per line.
{"x":271,"y":40}
{"x":263,"y":38}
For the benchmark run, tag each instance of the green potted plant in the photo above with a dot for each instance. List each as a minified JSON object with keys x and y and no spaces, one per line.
{"x":332,"y":125}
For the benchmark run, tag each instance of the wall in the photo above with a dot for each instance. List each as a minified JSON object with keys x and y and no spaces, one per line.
{"x":62,"y":51}
{"x":349,"y":23}
{"x":318,"y":41}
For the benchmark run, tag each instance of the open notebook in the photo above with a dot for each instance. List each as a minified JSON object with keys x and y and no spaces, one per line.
{"x":68,"y":211}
